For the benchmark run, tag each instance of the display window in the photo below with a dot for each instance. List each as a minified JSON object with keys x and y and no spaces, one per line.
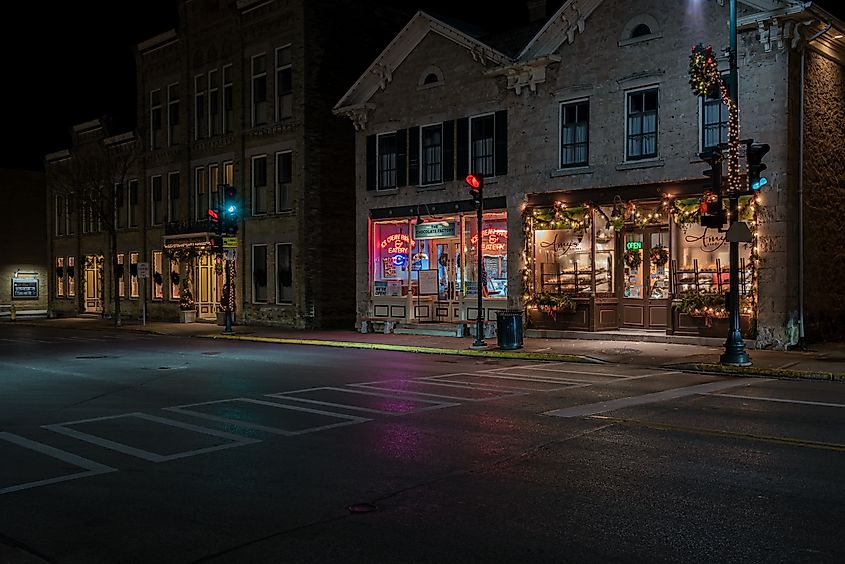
{"x":494,"y":256}
{"x":391,"y":247}
{"x":702,"y":261}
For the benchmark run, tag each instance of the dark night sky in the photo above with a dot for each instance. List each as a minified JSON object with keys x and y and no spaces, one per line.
{"x":73,"y":62}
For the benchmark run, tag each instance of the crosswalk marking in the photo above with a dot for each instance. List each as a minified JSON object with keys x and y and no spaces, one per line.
{"x":292,"y":395}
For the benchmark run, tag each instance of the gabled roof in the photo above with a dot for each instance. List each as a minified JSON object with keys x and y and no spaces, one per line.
{"x":380,"y":72}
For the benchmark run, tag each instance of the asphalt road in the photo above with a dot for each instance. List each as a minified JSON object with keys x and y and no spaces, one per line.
{"x":141,"y":448}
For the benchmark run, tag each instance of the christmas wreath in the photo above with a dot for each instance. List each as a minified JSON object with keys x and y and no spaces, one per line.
{"x":633,"y":258}
{"x":704,"y":76}
{"x":658,"y":255}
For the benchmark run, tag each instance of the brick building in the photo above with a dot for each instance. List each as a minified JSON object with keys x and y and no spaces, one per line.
{"x":239,"y":94}
{"x":588,"y":134}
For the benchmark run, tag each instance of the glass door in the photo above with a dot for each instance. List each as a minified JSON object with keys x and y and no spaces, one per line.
{"x":447,"y":252}
{"x":645,"y":284}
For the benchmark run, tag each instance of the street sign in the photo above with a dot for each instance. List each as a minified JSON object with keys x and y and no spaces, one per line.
{"x":230,"y":254}
{"x":143,"y":270}
{"x":230,"y":242}
{"x":739,"y":233}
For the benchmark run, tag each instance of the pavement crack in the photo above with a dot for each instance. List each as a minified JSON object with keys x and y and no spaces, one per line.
{"x":22,"y":547}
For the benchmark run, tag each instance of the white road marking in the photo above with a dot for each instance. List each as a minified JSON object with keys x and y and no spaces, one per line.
{"x":433,"y":404}
{"x":63,"y":428}
{"x":602,"y":407}
{"x":349,"y":419}
{"x":779,"y":400}
{"x":449,"y":389}
{"x":502,"y":381}
{"x":91,"y":468}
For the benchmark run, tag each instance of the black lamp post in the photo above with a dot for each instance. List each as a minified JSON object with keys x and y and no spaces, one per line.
{"x":476,"y":188}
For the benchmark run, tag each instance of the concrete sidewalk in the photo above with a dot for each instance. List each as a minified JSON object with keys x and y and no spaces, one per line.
{"x":823,"y":361}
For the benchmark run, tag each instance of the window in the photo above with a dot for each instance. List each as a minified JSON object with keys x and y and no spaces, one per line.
{"x":90,"y":218}
{"x":133,"y":203}
{"x":391,"y":258}
{"x":482,"y":148}
{"x":284,"y":178}
{"x":574,"y":134}
{"x":284,"y":273}
{"x":284,"y":86}
{"x":432,"y":154}
{"x":200,"y":110}
{"x":155,"y":119}
{"x":173,"y":193}
{"x":259,"y":273}
{"x":121,"y":216}
{"x":228,"y":172}
{"x":158,"y":276}
{"x":228,"y":100}
{"x":60,"y":277}
{"x":259,"y":185}
{"x":61,"y":215}
{"x":714,"y":121}
{"x":157,"y":211}
{"x":173,"y":114}
{"x":259,"y":90}
{"x":213,"y":183}
{"x":640,"y":30}
{"x":71,"y":277}
{"x":121,"y":276}
{"x":642,"y":125}
{"x":387,"y":161}
{"x":201,"y":203}
{"x":215,"y":124}
{"x":133,"y":276}
{"x":494,"y":254}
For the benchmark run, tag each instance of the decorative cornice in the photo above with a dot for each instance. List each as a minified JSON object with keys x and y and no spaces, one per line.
{"x":526,"y":74}
{"x":357,"y":114}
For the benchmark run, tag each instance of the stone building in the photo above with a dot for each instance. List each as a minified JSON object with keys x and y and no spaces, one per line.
{"x":24,"y":272}
{"x":588,"y":135}
{"x":239,"y":94}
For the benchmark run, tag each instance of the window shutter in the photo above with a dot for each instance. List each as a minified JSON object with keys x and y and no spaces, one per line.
{"x":501,"y":132}
{"x":401,"y":157}
{"x":371,"y":162}
{"x":463,"y":147}
{"x":448,"y":150}
{"x":413,"y":156}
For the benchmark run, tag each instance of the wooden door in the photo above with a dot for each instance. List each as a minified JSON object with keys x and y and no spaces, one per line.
{"x":645,"y":278}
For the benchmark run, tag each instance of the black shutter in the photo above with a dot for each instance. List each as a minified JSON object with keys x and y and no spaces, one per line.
{"x":501,"y":133}
{"x":413,"y":156}
{"x":371,"y":162}
{"x":463,"y":147}
{"x":401,"y":157}
{"x":448,"y":150}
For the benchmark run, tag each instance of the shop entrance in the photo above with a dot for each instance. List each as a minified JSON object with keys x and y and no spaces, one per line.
{"x":206,"y":287}
{"x":93,"y":284}
{"x":447,"y":262}
{"x":645,"y":280}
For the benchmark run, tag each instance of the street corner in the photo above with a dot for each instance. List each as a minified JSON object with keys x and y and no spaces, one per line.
{"x":758,"y":371}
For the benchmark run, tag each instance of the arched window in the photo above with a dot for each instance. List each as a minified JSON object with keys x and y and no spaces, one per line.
{"x":640,"y":30}
{"x":432,"y":76}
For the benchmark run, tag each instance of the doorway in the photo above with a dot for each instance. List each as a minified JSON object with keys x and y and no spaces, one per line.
{"x":644,"y":291}
{"x":94,"y":284}
{"x":447,"y":262}
{"x":206,"y":290}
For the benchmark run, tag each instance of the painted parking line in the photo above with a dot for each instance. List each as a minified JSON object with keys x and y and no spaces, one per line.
{"x":515,"y":382}
{"x":675,"y":393}
{"x":444,"y":390}
{"x":778,"y":400}
{"x":345,"y":419}
{"x":90,"y":468}
{"x":362,"y":400}
{"x":65,"y":429}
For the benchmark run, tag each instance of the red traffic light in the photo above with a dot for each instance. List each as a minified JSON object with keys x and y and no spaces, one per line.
{"x":474,"y":180}
{"x":213,"y":215}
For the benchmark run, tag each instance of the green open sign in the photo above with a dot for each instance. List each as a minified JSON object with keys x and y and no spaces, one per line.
{"x":634,"y":245}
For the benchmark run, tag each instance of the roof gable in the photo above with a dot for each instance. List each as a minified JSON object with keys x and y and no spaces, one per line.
{"x":380,"y":72}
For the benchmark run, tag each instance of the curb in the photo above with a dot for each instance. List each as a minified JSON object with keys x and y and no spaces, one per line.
{"x":494,"y":353}
{"x":760,"y":372}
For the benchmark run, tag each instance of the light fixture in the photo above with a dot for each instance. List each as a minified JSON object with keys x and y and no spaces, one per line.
{"x":617,"y":207}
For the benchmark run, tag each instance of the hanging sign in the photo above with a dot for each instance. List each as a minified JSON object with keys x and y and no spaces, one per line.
{"x":438,"y":230}
{"x":24,"y":288}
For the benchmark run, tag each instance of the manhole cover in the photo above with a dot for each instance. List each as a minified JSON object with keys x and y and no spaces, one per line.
{"x":211,"y":353}
{"x":361,"y":508}
{"x":622,"y":351}
{"x":93,"y":356}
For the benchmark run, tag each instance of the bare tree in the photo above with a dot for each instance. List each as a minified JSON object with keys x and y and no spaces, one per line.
{"x":94,"y":177}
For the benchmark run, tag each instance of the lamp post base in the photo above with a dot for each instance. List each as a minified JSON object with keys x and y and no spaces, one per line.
{"x":478,"y":345}
{"x":735,"y":354}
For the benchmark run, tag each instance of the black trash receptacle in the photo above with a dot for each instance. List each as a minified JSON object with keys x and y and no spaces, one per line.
{"x":509,"y":329}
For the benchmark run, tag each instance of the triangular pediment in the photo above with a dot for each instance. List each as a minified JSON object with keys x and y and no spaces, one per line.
{"x":379,"y":74}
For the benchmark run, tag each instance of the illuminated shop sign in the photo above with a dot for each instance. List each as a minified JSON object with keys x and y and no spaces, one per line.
{"x":634,"y":245}
{"x":492,"y":240}
{"x":396,"y":244}
{"x":435,"y":230}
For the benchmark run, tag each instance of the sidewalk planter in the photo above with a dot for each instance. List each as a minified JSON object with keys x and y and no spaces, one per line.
{"x":187,"y":315}
{"x":684,"y":324}
{"x":579,"y":320}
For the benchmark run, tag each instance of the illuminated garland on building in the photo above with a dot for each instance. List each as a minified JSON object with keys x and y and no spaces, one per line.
{"x":561,"y":217}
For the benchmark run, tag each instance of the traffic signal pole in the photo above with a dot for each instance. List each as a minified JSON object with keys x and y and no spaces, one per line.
{"x":735,"y":353}
{"x":476,"y":184}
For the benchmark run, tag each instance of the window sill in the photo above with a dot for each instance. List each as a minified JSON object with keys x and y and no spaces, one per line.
{"x":386,"y":192}
{"x":572,"y":171}
{"x":647,"y":163}
{"x":641,"y":39}
{"x":431,"y":187}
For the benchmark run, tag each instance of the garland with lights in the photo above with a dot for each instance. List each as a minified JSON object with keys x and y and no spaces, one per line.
{"x":561,"y":217}
{"x":705,"y":78}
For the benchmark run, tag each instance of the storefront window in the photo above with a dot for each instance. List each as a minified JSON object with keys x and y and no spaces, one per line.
{"x":702,"y":261}
{"x":391,"y":258}
{"x":494,"y":248}
{"x":60,"y":277}
{"x":563,"y":261}
{"x":633,"y":269}
{"x":71,"y":277}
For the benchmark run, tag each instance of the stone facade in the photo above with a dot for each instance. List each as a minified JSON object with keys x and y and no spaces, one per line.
{"x":589,"y":51}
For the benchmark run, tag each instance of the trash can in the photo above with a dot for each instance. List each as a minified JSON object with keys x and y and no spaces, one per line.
{"x":509,"y":329}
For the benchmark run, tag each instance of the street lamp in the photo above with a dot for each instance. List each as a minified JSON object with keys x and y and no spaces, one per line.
{"x":735,"y":353}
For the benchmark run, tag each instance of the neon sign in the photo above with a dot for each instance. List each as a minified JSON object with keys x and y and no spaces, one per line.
{"x":396,"y":244}
{"x":493,"y":240}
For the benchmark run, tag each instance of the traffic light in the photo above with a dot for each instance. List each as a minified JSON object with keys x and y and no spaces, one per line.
{"x":214,"y":221}
{"x":714,"y":159}
{"x":230,"y":210}
{"x":756,"y":152}
{"x":476,"y":187}
{"x":713,"y":214}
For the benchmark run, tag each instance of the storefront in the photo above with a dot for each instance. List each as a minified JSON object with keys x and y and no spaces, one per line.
{"x":196,"y":274}
{"x":643,"y":262}
{"x":423,"y":268}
